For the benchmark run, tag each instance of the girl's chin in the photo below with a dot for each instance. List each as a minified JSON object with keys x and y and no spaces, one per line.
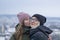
{"x":33,"y":27}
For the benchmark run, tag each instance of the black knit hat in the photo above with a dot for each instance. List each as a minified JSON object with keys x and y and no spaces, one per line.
{"x":40,"y":18}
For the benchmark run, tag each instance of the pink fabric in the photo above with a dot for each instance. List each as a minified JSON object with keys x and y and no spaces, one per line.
{"x":21,"y":16}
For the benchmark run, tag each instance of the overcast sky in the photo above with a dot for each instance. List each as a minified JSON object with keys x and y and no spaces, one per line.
{"x":50,"y":8}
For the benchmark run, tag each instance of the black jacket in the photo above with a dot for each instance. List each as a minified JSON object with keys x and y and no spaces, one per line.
{"x":40,"y":33}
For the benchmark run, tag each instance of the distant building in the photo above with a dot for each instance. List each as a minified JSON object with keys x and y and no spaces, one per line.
{"x":2,"y":29}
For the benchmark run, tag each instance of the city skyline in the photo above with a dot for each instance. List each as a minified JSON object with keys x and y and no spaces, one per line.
{"x":49,"y":8}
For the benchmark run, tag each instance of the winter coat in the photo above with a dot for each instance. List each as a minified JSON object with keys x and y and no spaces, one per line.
{"x":26,"y":31}
{"x":40,"y":33}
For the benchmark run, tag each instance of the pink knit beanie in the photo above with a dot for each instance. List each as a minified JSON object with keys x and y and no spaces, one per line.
{"x":21,"y":16}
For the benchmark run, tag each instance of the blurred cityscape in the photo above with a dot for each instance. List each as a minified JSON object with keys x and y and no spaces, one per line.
{"x":8,"y":23}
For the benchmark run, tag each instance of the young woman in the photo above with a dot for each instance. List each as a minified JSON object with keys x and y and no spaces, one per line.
{"x":23,"y":28}
{"x":38,"y":30}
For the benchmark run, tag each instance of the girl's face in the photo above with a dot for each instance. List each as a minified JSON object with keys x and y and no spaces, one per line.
{"x":27,"y":22}
{"x":34,"y":22}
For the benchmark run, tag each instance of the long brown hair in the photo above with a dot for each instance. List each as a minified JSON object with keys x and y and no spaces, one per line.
{"x":19,"y":32}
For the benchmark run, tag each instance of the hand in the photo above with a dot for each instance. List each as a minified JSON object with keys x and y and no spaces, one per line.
{"x":50,"y":38}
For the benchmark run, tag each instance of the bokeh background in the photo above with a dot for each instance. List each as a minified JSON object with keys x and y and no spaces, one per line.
{"x":10,"y":8}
